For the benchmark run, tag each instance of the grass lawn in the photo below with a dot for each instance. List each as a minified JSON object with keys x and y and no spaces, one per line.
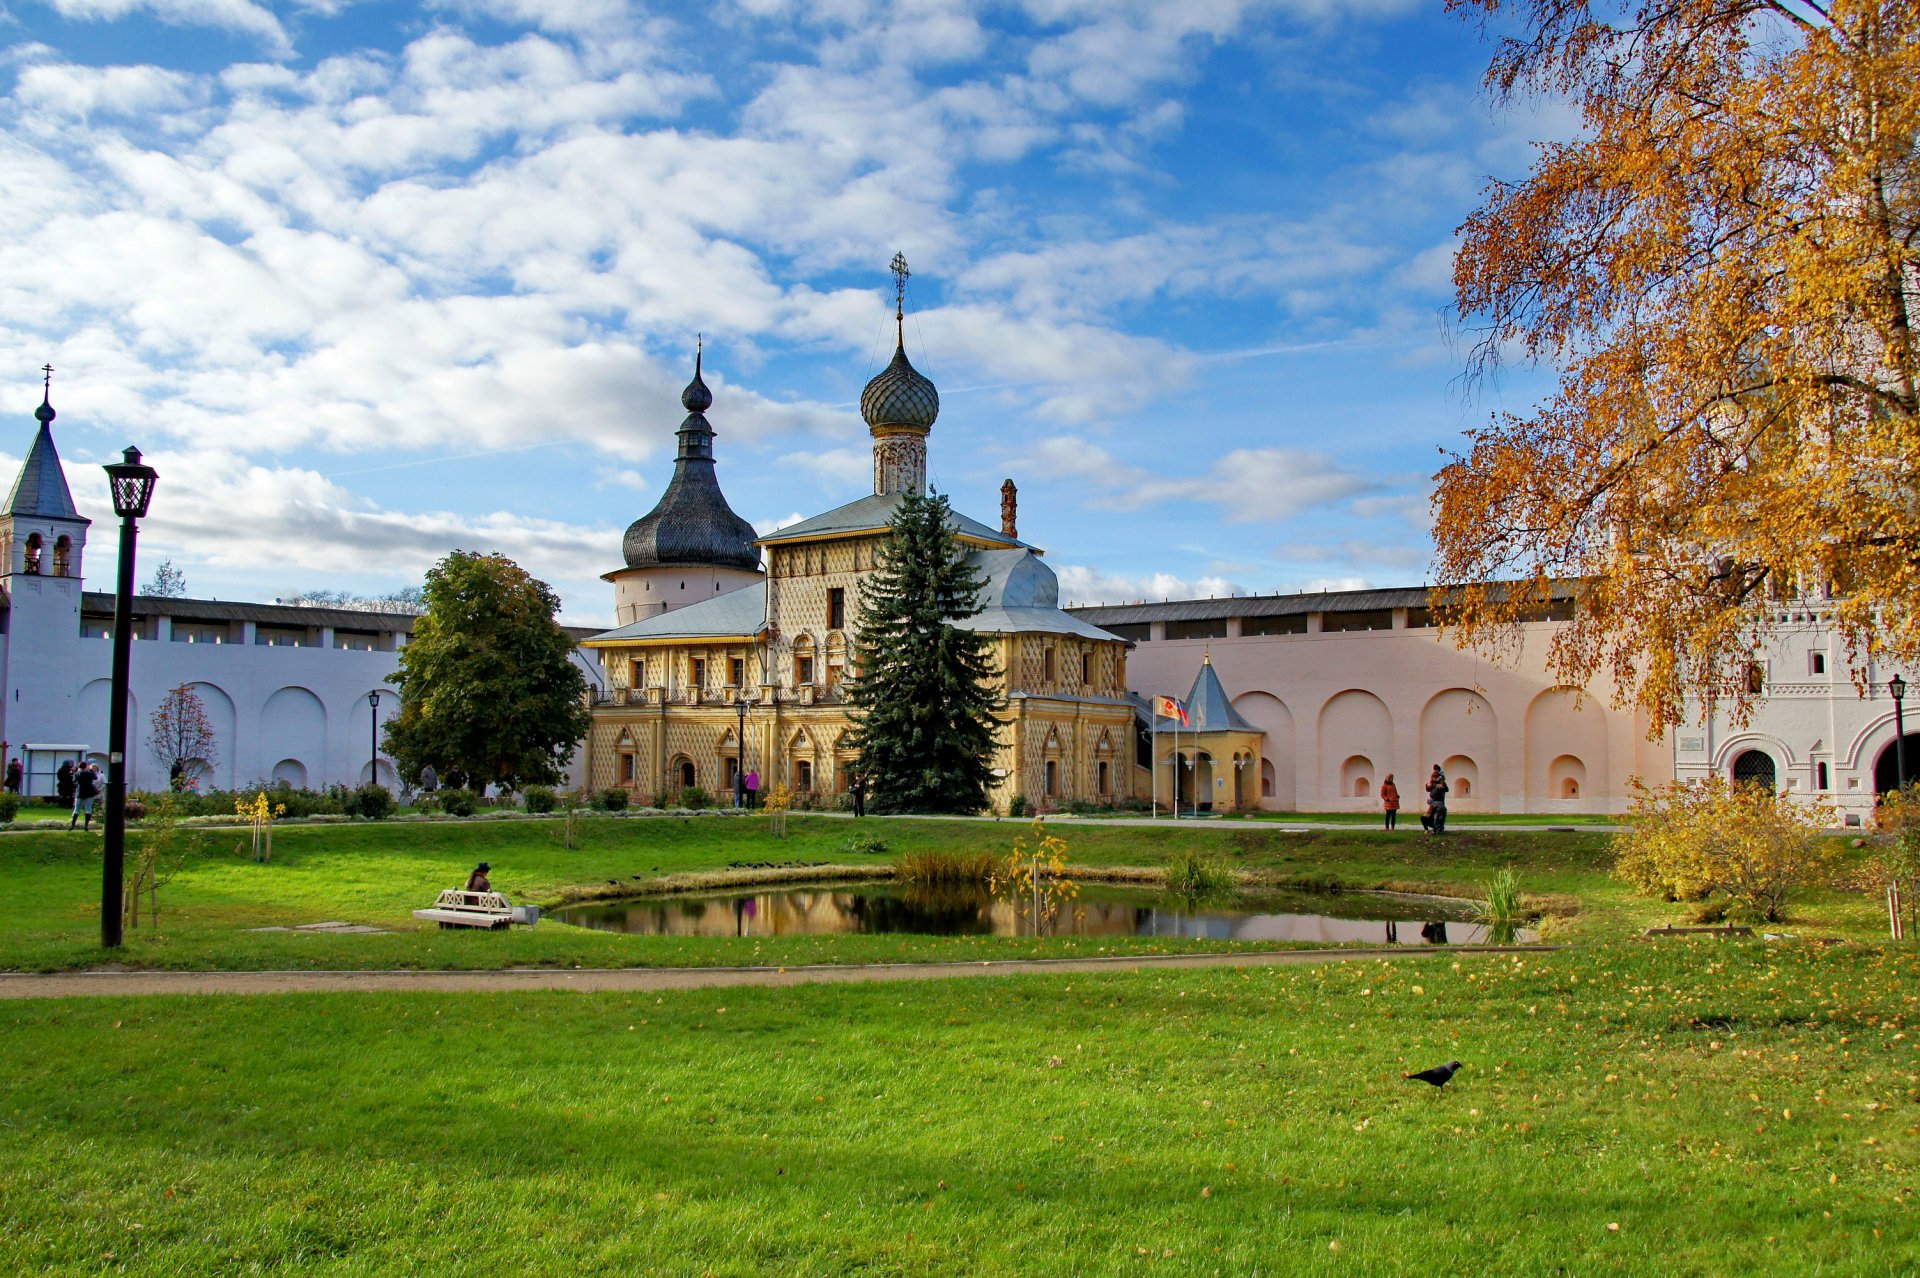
{"x":1730,"y":1107}
{"x":378,"y":873}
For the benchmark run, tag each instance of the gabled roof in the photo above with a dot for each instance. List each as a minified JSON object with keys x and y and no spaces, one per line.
{"x":870,"y":514}
{"x":736,"y":613}
{"x":41,"y":490}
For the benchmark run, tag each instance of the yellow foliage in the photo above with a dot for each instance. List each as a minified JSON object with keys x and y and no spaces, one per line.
{"x":1034,"y":877}
{"x":1691,"y":841}
{"x":1724,"y":265}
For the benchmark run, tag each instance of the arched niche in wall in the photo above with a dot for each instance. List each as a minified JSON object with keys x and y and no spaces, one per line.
{"x":1560,"y":723}
{"x":1459,"y":732}
{"x":1270,"y":714}
{"x":1354,"y":723}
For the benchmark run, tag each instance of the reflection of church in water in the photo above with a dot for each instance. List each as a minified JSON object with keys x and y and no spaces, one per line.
{"x":715,"y":619}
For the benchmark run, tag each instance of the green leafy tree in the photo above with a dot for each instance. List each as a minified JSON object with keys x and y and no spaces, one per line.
{"x":486,"y":684}
{"x":924,"y":714}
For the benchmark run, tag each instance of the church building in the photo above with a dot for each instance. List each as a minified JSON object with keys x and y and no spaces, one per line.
{"x":735,"y":648}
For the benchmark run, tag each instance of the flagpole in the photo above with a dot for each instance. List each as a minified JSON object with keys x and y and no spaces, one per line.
{"x":1153,"y":754}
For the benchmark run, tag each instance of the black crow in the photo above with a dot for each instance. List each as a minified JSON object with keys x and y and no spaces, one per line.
{"x":1438,"y":1075}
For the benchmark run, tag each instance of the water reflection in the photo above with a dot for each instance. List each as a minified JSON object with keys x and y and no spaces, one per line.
{"x":1100,"y":911}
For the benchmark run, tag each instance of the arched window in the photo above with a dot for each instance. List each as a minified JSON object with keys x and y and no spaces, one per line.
{"x":31,"y":565}
{"x":63,"y":556}
{"x":1754,"y":767}
{"x":687,"y":779}
{"x":1463,"y":788}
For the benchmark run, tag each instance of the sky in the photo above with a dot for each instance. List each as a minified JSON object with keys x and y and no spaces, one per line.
{"x":371,"y":282}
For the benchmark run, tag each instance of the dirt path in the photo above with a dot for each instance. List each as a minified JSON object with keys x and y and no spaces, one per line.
{"x":102,"y":984}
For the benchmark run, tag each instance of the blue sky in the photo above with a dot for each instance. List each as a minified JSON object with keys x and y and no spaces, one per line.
{"x":369,"y":282}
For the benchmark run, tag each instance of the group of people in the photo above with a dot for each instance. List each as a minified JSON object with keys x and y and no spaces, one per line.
{"x":1434,"y":819}
{"x":78,"y":785}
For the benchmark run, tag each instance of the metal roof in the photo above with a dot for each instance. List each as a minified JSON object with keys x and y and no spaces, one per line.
{"x":1022,"y":596}
{"x":41,"y":490}
{"x":1271,"y":605}
{"x":692,"y":524}
{"x":1208,"y":707}
{"x":99,"y":603}
{"x":738,"y":612}
{"x":871,"y":514}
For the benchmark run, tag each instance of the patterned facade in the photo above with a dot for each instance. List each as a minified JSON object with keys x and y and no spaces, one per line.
{"x":753,"y":677}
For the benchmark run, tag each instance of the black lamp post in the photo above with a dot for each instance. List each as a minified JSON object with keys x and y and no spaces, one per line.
{"x":740,"y":706}
{"x":132,"y":486}
{"x":1898,"y":687}
{"x":373,"y":737}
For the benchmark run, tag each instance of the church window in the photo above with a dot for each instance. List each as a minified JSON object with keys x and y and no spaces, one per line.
{"x":1105,"y":777}
{"x":1817,"y":663}
{"x":1821,"y":770}
{"x":803,"y":774}
{"x":1086,"y":668}
{"x":625,"y":772}
{"x":802,"y":671}
{"x":836,"y":609}
{"x":32,"y":567}
{"x":1053,"y":778}
{"x":736,"y":673}
{"x":686,"y":773}
{"x":699,"y":672}
{"x":1756,"y":678}
{"x":1046,"y":661}
{"x":63,"y":557}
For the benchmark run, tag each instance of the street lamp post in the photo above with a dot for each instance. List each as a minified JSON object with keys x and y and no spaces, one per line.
{"x":131,"y":483}
{"x":373,"y":735}
{"x":740,"y":706}
{"x":1898,"y":687}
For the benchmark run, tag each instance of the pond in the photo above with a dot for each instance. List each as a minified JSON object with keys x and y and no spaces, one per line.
{"x":1100,"y":910}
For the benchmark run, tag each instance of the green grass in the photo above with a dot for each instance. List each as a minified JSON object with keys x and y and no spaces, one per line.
{"x":1732,"y":1107}
{"x":379,"y":873}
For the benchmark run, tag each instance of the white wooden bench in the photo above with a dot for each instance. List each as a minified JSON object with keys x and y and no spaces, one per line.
{"x":459,"y":908}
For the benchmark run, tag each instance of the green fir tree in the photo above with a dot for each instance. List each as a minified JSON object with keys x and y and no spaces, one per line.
{"x":924,"y":711}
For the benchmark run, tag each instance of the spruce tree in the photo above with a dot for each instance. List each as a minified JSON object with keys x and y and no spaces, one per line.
{"x":924,"y":711}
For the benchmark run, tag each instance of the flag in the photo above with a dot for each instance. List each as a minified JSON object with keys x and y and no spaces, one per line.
{"x":1170,"y":708}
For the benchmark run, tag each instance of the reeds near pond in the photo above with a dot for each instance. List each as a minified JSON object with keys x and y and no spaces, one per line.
{"x":944,"y":869}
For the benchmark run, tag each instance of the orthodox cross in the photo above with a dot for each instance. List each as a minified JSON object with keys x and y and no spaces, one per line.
{"x":900,"y":272}
{"x":47,"y":385}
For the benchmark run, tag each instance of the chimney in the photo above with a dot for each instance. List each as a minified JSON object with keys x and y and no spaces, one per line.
{"x":1009,"y":501}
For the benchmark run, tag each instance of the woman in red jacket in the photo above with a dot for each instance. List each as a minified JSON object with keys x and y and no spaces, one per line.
{"x":1390,"y":800}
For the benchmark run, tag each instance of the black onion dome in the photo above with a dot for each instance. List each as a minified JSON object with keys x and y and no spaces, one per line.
{"x":692,"y":525}
{"x":900,"y":396}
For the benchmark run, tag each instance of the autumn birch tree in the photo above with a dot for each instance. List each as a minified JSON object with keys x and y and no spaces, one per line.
{"x":1722,"y":266}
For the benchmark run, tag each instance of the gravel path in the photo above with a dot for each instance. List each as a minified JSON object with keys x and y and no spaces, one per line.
{"x":101,"y":984}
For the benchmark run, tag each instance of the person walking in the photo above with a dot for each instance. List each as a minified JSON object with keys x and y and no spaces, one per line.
{"x":15,"y":774}
{"x":753,"y":786}
{"x":1436,"y":819}
{"x":1390,"y":801}
{"x":63,"y":784}
{"x":86,"y":788}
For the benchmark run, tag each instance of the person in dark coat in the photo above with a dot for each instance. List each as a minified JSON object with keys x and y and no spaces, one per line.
{"x":857,"y":787}
{"x":177,"y":776}
{"x":15,"y":774}
{"x":86,"y":788}
{"x":63,"y":784}
{"x":478,"y":880}
{"x":1436,"y":819}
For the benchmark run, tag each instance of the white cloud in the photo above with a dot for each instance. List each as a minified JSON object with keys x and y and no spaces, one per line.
{"x":1083,"y":585}
{"x":238,"y":16}
{"x":1248,"y":485}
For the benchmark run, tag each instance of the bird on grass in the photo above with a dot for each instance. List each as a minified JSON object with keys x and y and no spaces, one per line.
{"x":1438,"y":1075}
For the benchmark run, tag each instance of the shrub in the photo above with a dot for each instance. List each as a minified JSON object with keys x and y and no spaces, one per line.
{"x":1745,"y":844}
{"x":1192,"y":873}
{"x":695,"y":797}
{"x":613,"y":799}
{"x":661,"y":799}
{"x":458,"y":803}
{"x":374,"y":802}
{"x":1017,"y":806}
{"x":1898,"y":817}
{"x":10,"y":805}
{"x":864,"y":845}
{"x":134,"y":809}
{"x":540,"y":798}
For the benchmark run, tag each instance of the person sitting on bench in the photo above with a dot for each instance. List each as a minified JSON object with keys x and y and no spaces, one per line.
{"x":478,"y":881}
